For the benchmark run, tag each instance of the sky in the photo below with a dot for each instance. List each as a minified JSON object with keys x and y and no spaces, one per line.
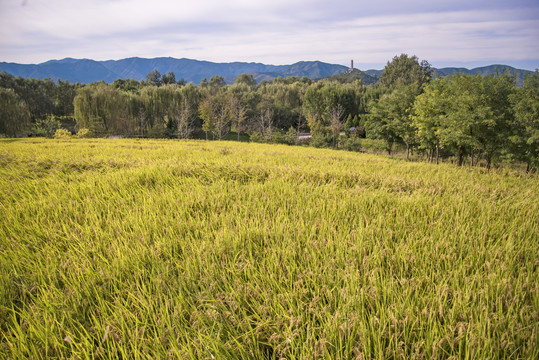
{"x":463,"y":33}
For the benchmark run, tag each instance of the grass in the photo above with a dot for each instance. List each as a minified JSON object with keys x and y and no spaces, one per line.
{"x":141,"y":249}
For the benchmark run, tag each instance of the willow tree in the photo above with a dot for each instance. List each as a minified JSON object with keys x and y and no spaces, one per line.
{"x":190,"y":99}
{"x":320,"y":98}
{"x":265,"y":119}
{"x":162,"y":107}
{"x":286,"y":99}
{"x":101,"y":108}
{"x":238,"y":113}
{"x":14,"y":116}
{"x":215,"y":113}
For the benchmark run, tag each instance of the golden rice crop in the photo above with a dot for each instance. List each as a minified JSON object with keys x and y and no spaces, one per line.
{"x":200,"y":250}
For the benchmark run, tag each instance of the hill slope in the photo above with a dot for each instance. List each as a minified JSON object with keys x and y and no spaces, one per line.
{"x":74,"y":70}
{"x":87,"y":70}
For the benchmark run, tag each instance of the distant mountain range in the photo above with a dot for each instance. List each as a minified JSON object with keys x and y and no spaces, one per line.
{"x":87,"y":71}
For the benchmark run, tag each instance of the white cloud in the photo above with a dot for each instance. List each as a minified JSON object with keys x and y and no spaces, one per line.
{"x":275,"y":31}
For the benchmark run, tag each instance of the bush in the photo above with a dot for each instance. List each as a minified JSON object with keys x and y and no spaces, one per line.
{"x":156,"y":132}
{"x":350,"y":144}
{"x":292,"y":136}
{"x":280,"y":137}
{"x":62,"y":134}
{"x":321,"y":140}
{"x":47,"y":126}
{"x":256,"y":137}
{"x":375,"y":145}
{"x":83,"y":133}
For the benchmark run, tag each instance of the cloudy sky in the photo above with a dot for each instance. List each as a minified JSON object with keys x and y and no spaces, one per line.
{"x":446,"y":33}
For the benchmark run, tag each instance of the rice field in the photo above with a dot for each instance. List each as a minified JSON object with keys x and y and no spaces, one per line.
{"x":148,"y":249}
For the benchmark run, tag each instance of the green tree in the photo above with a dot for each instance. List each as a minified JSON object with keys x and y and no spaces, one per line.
{"x":524,"y":140}
{"x":405,"y":70}
{"x":207,"y":112}
{"x":477,"y":115}
{"x":265,"y":120}
{"x":40,"y":96}
{"x":468,"y":114}
{"x":390,"y":117}
{"x":448,"y":115}
{"x":286,"y":99}
{"x":314,"y":108}
{"x":379,"y":125}
{"x":189,"y":104}
{"x":215,"y":113}
{"x":465,"y":111}
{"x":238,"y":113}
{"x":102,"y":109}
{"x":494,"y":129}
{"x":47,"y":126}
{"x":322,"y":97}
{"x":336,"y":122}
{"x":65,"y":94}
{"x":168,"y":78}
{"x":127,"y":85}
{"x":154,"y":78}
{"x":429,"y":111}
{"x":163,"y":106}
{"x":14,"y":113}
{"x":217,"y":82}
{"x":246,"y":79}
{"x":401,"y":112}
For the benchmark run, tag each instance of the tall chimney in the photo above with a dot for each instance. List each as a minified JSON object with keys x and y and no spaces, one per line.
{"x":352,"y":64}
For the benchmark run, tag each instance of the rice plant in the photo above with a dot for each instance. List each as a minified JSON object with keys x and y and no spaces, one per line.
{"x":141,"y":249}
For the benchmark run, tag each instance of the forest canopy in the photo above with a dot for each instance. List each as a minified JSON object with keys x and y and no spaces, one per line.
{"x":457,"y":116}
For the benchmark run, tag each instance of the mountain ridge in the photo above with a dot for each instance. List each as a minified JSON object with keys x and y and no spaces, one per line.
{"x":88,"y":70}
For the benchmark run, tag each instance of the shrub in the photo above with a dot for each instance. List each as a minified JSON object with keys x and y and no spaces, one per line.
{"x":375,"y":145}
{"x":291,"y":136}
{"x":280,"y":137}
{"x":350,"y":144}
{"x":156,"y":132}
{"x":83,"y":133}
{"x":47,"y":126}
{"x":321,"y":140}
{"x":256,"y":137}
{"x":62,"y":134}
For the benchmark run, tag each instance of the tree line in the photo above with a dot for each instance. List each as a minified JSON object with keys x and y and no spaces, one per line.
{"x":471,"y":119}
